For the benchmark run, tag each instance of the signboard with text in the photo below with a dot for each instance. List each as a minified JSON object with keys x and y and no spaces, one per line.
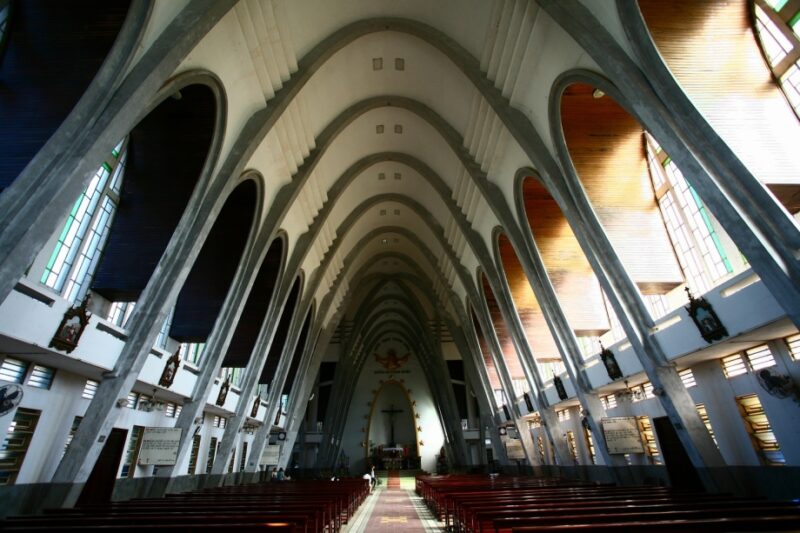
{"x":159,"y":446}
{"x":514,"y":450}
{"x":270,"y":455}
{"x":622,"y":435}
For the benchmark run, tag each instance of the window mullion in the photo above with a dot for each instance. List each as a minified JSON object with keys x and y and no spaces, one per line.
{"x":789,"y":59}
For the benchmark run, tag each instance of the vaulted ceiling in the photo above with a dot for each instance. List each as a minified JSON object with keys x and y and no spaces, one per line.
{"x":395,"y":122}
{"x":388,"y":131}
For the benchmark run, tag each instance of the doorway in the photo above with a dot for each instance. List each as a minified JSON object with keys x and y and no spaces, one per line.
{"x":101,"y":481}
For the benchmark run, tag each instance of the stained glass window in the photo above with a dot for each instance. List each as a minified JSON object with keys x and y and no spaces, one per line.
{"x":80,"y":243}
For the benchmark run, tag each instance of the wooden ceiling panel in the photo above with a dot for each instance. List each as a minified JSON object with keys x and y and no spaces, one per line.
{"x":569,"y":270}
{"x":491,"y":371}
{"x":510,"y":355}
{"x":607,"y":147}
{"x":530,"y":313}
{"x":712,"y":50}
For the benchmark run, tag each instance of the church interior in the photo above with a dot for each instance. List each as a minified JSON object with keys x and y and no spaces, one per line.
{"x":531,"y":252}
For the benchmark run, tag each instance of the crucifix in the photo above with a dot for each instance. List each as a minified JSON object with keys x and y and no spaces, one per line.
{"x":391,"y":412}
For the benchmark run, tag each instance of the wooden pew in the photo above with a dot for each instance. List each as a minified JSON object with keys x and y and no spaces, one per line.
{"x":511,"y":504}
{"x":302,"y":506}
{"x":709,"y":525}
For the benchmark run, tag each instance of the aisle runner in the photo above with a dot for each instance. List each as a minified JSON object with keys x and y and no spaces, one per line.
{"x":394,"y":511}
{"x":393,"y":483}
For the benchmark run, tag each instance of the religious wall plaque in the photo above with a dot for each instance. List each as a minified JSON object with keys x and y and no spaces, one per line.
{"x":610,"y":362}
{"x":705,"y":318}
{"x":159,"y":446}
{"x":256,"y":405}
{"x":528,"y":402}
{"x":559,"y":385}
{"x":223,"y":391}
{"x":622,"y":435}
{"x":170,"y":370}
{"x":71,"y":327}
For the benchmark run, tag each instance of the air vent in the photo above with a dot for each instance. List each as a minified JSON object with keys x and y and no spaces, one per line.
{"x":379,"y":129}
{"x":382,"y":176}
{"x":89,"y":389}
{"x":383,"y":212}
{"x":687,"y":376}
{"x":41,"y":377}
{"x":377,"y":63}
{"x":398,"y":128}
{"x":398,"y":176}
{"x":13,"y":370}
{"x":396,"y":211}
{"x":399,"y":63}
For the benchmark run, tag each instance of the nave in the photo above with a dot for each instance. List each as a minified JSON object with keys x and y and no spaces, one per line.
{"x":551,"y":238}
{"x":460,"y":503}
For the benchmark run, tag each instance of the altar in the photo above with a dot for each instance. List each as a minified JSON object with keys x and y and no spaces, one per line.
{"x":393,"y":457}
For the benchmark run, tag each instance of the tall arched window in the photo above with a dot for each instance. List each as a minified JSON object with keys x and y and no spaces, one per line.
{"x":80,"y":243}
{"x":778,"y":28}
{"x":696,"y":242}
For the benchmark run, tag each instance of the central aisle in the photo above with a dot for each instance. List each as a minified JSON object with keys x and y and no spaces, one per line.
{"x":393,"y":509}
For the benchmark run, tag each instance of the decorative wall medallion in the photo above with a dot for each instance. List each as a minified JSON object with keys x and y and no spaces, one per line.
{"x":391,"y":361}
{"x":170,"y":370}
{"x":705,"y":318}
{"x":71,"y":327}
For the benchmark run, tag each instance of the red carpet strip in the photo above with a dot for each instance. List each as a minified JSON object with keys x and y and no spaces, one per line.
{"x":393,"y":481}
{"x":394,"y":511}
